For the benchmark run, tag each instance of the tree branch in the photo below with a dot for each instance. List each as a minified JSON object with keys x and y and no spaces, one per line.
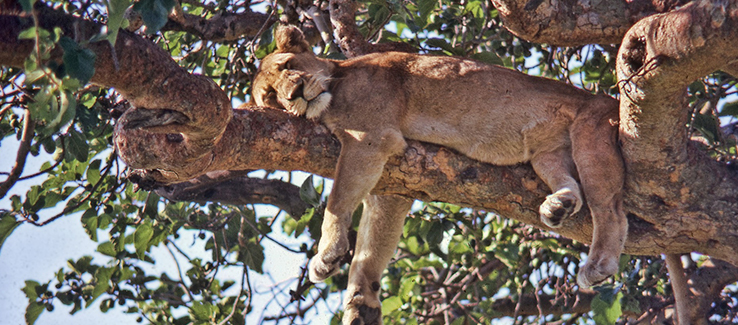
{"x":706,"y":285}
{"x":698,"y":214}
{"x":158,"y":87}
{"x":234,"y":187}
{"x":577,"y":22}
{"x":670,"y":183}
{"x":350,"y":40}
{"x":222,"y":27}
{"x":20,"y":159}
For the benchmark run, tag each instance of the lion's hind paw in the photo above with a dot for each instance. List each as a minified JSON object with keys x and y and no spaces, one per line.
{"x":595,"y":272}
{"x":329,"y":260}
{"x":359,"y":311}
{"x":559,"y":206}
{"x":321,"y":269}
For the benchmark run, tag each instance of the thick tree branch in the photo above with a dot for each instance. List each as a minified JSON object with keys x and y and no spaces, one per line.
{"x":193,"y":141}
{"x":577,"y":22}
{"x":223,"y":27}
{"x":149,"y":79}
{"x":669,"y":183}
{"x":234,"y":187}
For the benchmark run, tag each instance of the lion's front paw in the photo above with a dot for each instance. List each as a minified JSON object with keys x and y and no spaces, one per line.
{"x":362,"y":310}
{"x":328,"y":260}
{"x":596,"y":271}
{"x":559,"y":206}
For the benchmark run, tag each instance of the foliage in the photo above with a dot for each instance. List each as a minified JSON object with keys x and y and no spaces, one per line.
{"x":454,"y":265}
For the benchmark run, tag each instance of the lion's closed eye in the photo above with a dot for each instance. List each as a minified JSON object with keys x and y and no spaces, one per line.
{"x":286,"y":65}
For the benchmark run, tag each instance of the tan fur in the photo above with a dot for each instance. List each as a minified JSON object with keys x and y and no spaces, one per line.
{"x":489,"y":113}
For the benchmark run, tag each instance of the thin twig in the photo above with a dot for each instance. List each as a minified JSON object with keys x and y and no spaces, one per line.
{"x":238,"y":298}
{"x":68,"y":209}
{"x":179,"y":270}
{"x":267,"y":237}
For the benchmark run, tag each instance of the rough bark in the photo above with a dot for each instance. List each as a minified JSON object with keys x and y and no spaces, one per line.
{"x":695,"y":219}
{"x":234,"y":187}
{"x":680,"y":200}
{"x":670,"y":184}
{"x":577,"y":22}
{"x":222,"y":27}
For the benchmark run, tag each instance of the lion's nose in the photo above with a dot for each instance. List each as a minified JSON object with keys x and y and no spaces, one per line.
{"x":297,"y":92}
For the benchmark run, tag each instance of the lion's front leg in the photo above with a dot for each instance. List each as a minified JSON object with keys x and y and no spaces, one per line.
{"x":360,"y":165}
{"x":378,"y":235}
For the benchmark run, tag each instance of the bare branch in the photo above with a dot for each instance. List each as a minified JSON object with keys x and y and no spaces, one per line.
{"x":350,"y":40}
{"x":705,"y":286}
{"x":20,"y":159}
{"x":233,"y":187}
{"x":682,"y":296}
{"x":222,"y":27}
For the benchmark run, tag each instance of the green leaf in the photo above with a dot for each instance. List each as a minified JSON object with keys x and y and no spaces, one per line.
{"x":439,"y":43}
{"x":391,"y":304}
{"x":154,"y":13}
{"x":34,"y":310}
{"x":267,"y":43}
{"x":151,"y":209}
{"x":253,"y":256}
{"x":425,"y":7}
{"x":93,"y":172}
{"x":435,"y":234}
{"x":141,"y":238}
{"x":116,"y":11}
{"x":89,"y":222}
{"x":729,"y":109}
{"x":102,"y":279}
{"x":300,"y":225}
{"x":487,"y":57}
{"x":203,"y":311}
{"x":407,"y":287}
{"x":83,"y":265}
{"x":107,"y":248}
{"x":378,"y":14}
{"x":30,"y":32}
{"x":77,"y":146}
{"x":31,"y":290}
{"x":8,"y":223}
{"x":79,"y":62}
{"x":606,"y":305}
{"x":308,"y":194}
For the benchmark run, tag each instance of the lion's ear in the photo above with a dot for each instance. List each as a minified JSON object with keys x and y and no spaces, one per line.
{"x":291,"y":40}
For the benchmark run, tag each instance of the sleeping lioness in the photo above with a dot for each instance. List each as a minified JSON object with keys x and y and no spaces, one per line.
{"x":496,"y":115}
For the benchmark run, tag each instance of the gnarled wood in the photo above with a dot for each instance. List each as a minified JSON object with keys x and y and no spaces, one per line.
{"x":576,"y":22}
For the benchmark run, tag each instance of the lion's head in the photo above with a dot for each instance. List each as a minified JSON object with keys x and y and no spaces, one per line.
{"x":292,"y":77}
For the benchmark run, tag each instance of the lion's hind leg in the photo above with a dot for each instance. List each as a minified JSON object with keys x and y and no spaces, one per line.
{"x":601,"y":172}
{"x":359,"y":167}
{"x":556,"y":168}
{"x":379,"y":232}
